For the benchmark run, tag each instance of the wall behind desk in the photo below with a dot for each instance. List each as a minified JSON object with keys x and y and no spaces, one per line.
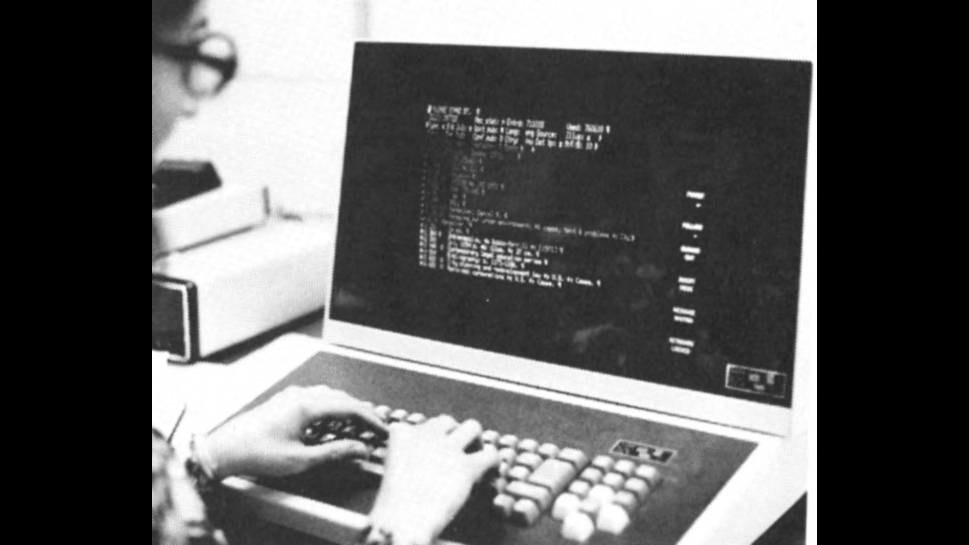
{"x":282,"y":121}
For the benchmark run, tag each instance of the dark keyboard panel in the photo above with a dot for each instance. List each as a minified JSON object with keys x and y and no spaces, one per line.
{"x":566,"y":470}
{"x":603,"y":494}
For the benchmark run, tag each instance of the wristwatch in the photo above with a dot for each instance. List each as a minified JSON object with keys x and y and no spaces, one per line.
{"x":375,"y":535}
{"x":204,"y":479}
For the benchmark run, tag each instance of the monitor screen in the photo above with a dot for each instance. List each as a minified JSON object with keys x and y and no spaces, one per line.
{"x":632,"y":214}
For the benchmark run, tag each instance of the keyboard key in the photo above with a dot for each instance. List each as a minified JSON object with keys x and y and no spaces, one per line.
{"x":574,"y":456}
{"x":525,"y":512}
{"x":379,"y":454}
{"x":649,"y":474}
{"x":531,"y":475}
{"x":373,"y":468}
{"x":382,"y":411}
{"x":612,"y":519}
{"x":603,"y":462}
{"x":529,"y":460}
{"x":507,"y":455}
{"x":590,"y":506}
{"x":314,"y":428}
{"x":538,"y":494}
{"x":415,"y":418}
{"x":577,"y":527}
{"x":627,"y":500}
{"x":564,"y":505}
{"x":624,"y":467}
{"x":502,"y":505}
{"x":579,"y":488}
{"x":601,"y":493}
{"x":518,"y":473}
{"x":313,"y":431}
{"x":591,"y":474}
{"x":638,"y":487}
{"x":553,"y":474}
{"x":548,"y":450}
{"x":349,"y":430}
{"x":614,"y":480}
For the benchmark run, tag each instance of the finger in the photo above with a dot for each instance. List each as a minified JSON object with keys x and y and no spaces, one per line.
{"x":443,"y":424}
{"x":334,"y":450}
{"x":399,"y":428}
{"x":322,"y":390}
{"x":466,"y":433}
{"x":483,"y":460}
{"x":396,"y":431}
{"x":290,"y":391}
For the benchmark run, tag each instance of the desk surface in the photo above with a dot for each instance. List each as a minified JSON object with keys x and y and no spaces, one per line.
{"x":311,"y":324}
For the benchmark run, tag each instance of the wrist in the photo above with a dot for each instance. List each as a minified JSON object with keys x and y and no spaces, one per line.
{"x":386,"y":529}
{"x":379,"y":535}
{"x":206,"y":455}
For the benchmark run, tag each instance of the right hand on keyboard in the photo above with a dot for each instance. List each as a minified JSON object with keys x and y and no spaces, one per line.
{"x":428,"y":477}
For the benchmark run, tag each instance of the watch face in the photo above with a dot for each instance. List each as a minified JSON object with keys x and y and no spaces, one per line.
{"x":630,"y":214}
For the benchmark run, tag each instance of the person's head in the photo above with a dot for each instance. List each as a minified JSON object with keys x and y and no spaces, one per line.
{"x":189,"y":63}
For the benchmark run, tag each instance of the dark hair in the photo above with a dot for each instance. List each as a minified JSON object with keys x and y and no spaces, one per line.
{"x":168,"y":15}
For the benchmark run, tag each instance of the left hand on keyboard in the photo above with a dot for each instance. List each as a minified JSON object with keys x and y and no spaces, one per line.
{"x":267,"y":441}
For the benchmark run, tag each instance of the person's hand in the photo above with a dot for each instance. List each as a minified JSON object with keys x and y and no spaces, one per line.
{"x":267,"y":439}
{"x":428,"y":477}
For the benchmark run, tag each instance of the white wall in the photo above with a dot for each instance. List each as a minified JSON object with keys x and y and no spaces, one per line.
{"x":282,"y":121}
{"x":761,"y":28}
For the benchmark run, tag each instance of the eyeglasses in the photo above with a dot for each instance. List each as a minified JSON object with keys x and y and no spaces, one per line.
{"x":209,"y":63}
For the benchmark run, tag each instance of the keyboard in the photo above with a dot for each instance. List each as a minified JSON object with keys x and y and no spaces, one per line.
{"x":533,"y":479}
{"x":566,"y":469}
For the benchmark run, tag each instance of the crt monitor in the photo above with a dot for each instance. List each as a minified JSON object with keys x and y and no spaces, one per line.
{"x":615,"y":218}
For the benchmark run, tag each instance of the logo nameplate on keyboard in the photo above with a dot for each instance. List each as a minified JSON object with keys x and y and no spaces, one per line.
{"x":642,"y":451}
{"x":763,"y":382}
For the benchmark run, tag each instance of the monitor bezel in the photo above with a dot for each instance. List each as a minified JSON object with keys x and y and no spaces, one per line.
{"x":718,"y":409}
